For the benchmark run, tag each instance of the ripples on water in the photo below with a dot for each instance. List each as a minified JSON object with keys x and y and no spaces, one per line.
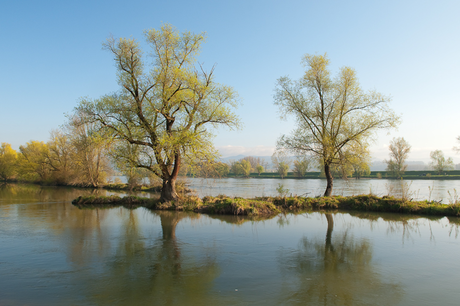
{"x":53,"y":253}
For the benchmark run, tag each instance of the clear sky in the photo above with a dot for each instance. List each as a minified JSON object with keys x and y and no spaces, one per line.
{"x":51,"y":56}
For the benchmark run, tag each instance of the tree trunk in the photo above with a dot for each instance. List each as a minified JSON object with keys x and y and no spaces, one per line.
{"x":168,"y":192}
{"x":329,"y":178}
{"x":330,"y":228}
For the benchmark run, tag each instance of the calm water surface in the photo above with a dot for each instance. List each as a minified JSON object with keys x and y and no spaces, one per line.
{"x":417,"y":189}
{"x":52,"y":253}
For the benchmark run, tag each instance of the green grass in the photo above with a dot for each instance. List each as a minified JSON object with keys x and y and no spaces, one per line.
{"x":211,"y":205}
{"x":370,"y":203}
{"x":274,"y":205}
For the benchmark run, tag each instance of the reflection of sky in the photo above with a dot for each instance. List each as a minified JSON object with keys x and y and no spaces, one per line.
{"x":417,"y":189}
{"x":54,"y":253}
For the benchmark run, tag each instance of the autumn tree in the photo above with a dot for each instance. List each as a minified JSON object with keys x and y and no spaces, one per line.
{"x":32,"y":161}
{"x":399,"y":152}
{"x":60,"y":158}
{"x":439,"y":163}
{"x":166,"y":108}
{"x":332,"y":114}
{"x":8,"y":161}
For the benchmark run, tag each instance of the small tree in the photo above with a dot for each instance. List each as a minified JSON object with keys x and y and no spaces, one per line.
{"x":241,"y":167}
{"x":260,"y":169}
{"x":439,"y":163}
{"x":283,"y":169}
{"x":399,"y":151}
{"x":234,"y":167}
{"x":245,"y":167}
{"x":301,"y":166}
{"x":281,"y":162}
{"x":254,"y":161}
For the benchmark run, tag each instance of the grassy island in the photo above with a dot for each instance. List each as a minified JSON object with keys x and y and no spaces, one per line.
{"x":275,"y":205}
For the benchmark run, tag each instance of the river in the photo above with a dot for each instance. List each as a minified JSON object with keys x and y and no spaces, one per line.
{"x":53,"y":253}
{"x":438,"y":190}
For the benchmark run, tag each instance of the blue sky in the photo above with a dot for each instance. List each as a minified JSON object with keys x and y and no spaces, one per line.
{"x":52,"y":55}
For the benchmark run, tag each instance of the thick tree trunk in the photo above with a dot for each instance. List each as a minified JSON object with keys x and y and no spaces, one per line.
{"x":329,"y":178}
{"x":168,"y":192}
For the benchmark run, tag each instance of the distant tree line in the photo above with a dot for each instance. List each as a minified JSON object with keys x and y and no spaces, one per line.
{"x":78,"y":153}
{"x":399,"y":152}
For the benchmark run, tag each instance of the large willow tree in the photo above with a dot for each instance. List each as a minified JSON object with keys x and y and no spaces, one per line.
{"x":335,"y":118}
{"x":167,"y":105}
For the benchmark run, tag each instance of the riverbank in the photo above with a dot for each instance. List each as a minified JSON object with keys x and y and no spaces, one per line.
{"x":276,"y":205}
{"x":156,"y":188}
{"x":408,"y":175}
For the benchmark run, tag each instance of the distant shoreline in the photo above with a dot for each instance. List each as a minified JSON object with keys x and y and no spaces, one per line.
{"x":409,"y":175}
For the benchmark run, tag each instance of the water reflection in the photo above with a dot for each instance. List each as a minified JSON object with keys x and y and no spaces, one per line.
{"x":335,"y":271}
{"x":143,"y":270}
{"x":54,"y":254}
{"x":166,"y":271}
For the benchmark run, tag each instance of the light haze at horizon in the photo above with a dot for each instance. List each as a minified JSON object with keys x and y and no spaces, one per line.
{"x":52,"y":56}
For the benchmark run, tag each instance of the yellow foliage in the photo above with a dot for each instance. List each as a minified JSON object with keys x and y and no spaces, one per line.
{"x":334,"y":117}
{"x":32,"y":164}
{"x":8,"y":161}
{"x":166,"y":111}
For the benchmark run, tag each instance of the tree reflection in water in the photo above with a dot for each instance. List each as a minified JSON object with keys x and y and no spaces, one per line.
{"x":337,"y":271}
{"x":159,"y":272}
{"x":119,"y":257}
